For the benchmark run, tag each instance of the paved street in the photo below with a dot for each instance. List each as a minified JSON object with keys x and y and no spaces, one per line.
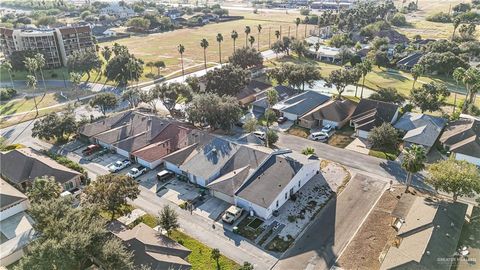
{"x":330,"y":232}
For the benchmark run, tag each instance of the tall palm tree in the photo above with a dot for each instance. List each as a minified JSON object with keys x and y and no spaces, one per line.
{"x":259,"y":28}
{"x":219,"y":40}
{"x":32,"y":82}
{"x":365,"y":67}
{"x":471,"y":79}
{"x":40,"y":59}
{"x":204,"y":45}
{"x":8,"y":67}
{"x":417,"y":71}
{"x":234,"y":36}
{"x":413,"y":161}
{"x":306,"y":23}
{"x":277,"y":34}
{"x":297,"y":22}
{"x":181,"y":50}
{"x":247,"y":32}
{"x":251,"y":39}
{"x":456,"y":24}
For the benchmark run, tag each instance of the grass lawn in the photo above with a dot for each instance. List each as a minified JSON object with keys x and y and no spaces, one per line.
{"x":200,"y":256}
{"x":124,"y":209}
{"x":385,"y":154}
{"x":52,"y":74}
{"x":163,"y":46}
{"x":7,"y":121}
{"x":298,"y":131}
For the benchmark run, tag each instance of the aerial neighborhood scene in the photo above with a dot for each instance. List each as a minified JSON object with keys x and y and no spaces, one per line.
{"x":239,"y":134}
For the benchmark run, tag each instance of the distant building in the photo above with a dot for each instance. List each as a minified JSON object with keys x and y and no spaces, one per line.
{"x":462,"y":138}
{"x":55,"y":44}
{"x":409,"y":61}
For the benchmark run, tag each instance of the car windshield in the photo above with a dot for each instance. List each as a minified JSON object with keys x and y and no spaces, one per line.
{"x":134,"y":170}
{"x":118,"y":163}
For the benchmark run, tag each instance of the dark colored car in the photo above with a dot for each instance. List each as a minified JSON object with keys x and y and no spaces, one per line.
{"x":91,"y":149}
{"x":281,"y":120}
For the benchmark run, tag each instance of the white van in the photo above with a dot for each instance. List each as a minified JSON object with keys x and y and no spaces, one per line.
{"x":260,"y":134}
{"x":319,"y":136}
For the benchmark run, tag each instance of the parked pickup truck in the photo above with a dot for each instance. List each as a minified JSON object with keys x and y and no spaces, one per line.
{"x":232,"y":214}
{"x":136,"y":172}
{"x":91,"y":149}
{"x":118,"y":165}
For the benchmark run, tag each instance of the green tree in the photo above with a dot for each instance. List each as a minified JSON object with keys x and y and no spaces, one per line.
{"x":204,"y":45}
{"x":75,"y":78}
{"x":246,"y":266}
{"x":71,"y":237}
{"x":277,"y":34}
{"x":413,"y":161}
{"x":55,"y":126}
{"x":111,"y":192}
{"x":181,"y":50}
{"x":270,"y":117}
{"x":365,"y":67}
{"x":123,"y":67}
{"x":388,"y":94}
{"x":170,"y":93}
{"x":471,"y":79}
{"x":272,"y":97}
{"x":251,"y":40}
{"x":247,"y":33}
{"x":106,"y":53}
{"x":217,"y":111}
{"x":430,"y":97}
{"x":168,"y":219}
{"x":159,"y":65}
{"x":44,"y":189}
{"x":226,"y":80}
{"x":40,"y":60}
{"x":250,"y":125}
{"x":456,"y":23}
{"x":340,"y":78}
{"x":32,"y":83}
{"x":308,"y":151}
{"x":297,"y":23}
{"x":234,"y":36}
{"x":7,"y":65}
{"x":85,"y":62}
{"x":150,"y":97}
{"x":271,"y":137}
{"x":104,"y":101}
{"x":417,"y":71}
{"x":458,"y":177}
{"x":384,"y":137}
{"x":246,"y":58}
{"x":259,"y":29}
{"x":215,"y":255}
{"x":132,"y":96}
{"x":220,"y":40}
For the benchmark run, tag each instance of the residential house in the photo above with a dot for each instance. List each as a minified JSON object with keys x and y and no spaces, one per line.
{"x":462,"y":138}
{"x":409,"y":61}
{"x":248,"y":94}
{"x":16,"y":229}
{"x":274,"y":182}
{"x":333,"y":112}
{"x":250,"y":139}
{"x":420,"y":129}
{"x":420,"y":43}
{"x":372,"y":113}
{"x":260,"y":105}
{"x":428,"y":233}
{"x":118,"y":10}
{"x":150,"y":248}
{"x":297,"y":106}
{"x":21,"y":166}
{"x":87,"y":132}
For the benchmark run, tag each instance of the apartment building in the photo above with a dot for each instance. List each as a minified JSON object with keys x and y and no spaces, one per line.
{"x":55,"y":44}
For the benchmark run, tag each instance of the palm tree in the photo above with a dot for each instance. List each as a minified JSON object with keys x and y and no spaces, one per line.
{"x":234,"y":36}
{"x":8,"y":67}
{"x":32,"y":82}
{"x":219,"y":40}
{"x":40,"y":59}
{"x":259,"y":28}
{"x":277,"y":34}
{"x":31,"y":65}
{"x":297,"y":22}
{"x":456,"y":23}
{"x":181,"y":50}
{"x":150,"y":65}
{"x":365,"y":67}
{"x":417,"y":71}
{"x":251,"y":40}
{"x":204,"y":45}
{"x":413,"y":161}
{"x":306,"y":23}
{"x":247,"y":32}
{"x":106,"y":53}
{"x":216,"y":256}
{"x":471,"y":79}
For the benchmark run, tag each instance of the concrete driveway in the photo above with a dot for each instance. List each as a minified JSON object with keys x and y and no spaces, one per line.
{"x":359,"y":145}
{"x":330,"y":232}
{"x":212,"y":208}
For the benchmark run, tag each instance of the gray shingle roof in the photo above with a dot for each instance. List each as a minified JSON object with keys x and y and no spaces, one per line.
{"x":334,"y":110}
{"x":373,"y":113}
{"x":421,"y":129}
{"x":463,"y":136}
{"x":9,"y":195}
{"x":105,"y":124}
{"x":266,"y":183}
{"x":302,"y":103}
{"x":26,"y":164}
{"x":229,"y":183}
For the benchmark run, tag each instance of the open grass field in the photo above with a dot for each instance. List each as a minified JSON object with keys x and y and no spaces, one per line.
{"x":163,"y":46}
{"x":200,"y":257}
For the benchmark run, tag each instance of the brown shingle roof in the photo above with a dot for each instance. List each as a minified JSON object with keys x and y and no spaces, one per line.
{"x":463,"y":136}
{"x":372,"y":113}
{"x":333,"y":110}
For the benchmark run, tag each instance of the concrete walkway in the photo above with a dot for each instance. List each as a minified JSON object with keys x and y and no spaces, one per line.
{"x":359,"y":145}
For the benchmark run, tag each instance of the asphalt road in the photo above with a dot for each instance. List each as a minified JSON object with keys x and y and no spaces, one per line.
{"x":333,"y":228}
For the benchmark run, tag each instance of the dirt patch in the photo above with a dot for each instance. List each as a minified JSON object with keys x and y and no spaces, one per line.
{"x":374,"y":237}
